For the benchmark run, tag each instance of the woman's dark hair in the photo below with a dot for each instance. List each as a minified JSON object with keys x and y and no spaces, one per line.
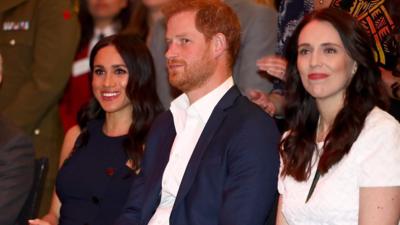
{"x":139,"y":24}
{"x":364,"y":92}
{"x":87,"y":23}
{"x":140,"y":90}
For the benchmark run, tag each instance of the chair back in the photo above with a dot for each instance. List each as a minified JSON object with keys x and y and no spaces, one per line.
{"x":30,"y":208}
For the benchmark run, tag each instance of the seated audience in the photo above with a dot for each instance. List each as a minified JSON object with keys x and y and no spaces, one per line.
{"x":340,"y":157}
{"x":101,"y":157}
{"x":16,"y":168}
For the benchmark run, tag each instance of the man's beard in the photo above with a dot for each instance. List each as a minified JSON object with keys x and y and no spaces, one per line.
{"x":191,"y":77}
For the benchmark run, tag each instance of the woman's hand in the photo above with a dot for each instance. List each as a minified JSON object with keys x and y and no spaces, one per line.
{"x":274,"y":65}
{"x":38,"y":222}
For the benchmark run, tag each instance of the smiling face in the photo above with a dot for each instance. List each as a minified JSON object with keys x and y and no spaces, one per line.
{"x":110,"y":78}
{"x":324,"y":65}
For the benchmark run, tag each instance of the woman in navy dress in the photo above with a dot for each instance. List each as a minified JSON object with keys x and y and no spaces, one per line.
{"x":101,"y":157}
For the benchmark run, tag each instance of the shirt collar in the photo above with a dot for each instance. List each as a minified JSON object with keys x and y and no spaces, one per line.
{"x":106,"y":31}
{"x":202,"y":108}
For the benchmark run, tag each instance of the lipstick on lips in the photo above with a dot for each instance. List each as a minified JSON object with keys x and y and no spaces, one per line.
{"x":317,"y":76}
{"x":109,"y":95}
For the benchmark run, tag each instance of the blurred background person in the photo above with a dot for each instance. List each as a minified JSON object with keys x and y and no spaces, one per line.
{"x":101,"y":157}
{"x":16,"y":168}
{"x":340,"y":158}
{"x":372,"y":14}
{"x":148,"y":22}
{"x":38,"y":39}
{"x":98,"y":19}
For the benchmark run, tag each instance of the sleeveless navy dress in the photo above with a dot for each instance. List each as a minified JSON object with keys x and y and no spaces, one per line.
{"x":94,"y":183}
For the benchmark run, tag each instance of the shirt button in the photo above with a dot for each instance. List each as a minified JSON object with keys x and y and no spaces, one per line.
{"x":36,"y":131}
{"x":95,"y":200}
{"x":12,"y":42}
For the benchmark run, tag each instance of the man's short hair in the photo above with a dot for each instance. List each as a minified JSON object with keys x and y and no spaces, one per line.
{"x":212,"y":17}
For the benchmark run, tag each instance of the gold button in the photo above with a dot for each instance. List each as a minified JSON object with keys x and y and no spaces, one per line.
{"x":12,"y":42}
{"x":36,"y":131}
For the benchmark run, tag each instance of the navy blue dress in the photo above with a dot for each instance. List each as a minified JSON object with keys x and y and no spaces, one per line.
{"x":93,"y":184}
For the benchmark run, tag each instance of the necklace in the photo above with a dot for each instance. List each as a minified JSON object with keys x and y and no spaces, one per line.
{"x":319,"y":150}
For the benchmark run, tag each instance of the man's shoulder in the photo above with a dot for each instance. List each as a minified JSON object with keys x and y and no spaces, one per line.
{"x":161,"y":124}
{"x":248,"y":111}
{"x":163,"y":119}
{"x":242,"y":112}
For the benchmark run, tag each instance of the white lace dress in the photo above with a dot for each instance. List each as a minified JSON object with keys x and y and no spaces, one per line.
{"x":373,"y":161}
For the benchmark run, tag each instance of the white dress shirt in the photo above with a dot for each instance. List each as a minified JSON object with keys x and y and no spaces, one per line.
{"x":189,"y":121}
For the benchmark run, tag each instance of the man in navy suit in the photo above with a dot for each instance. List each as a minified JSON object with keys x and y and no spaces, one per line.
{"x":213,"y":157}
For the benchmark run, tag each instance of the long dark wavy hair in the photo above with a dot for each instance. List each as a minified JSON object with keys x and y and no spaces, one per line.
{"x":140,"y":90}
{"x":87,"y":23}
{"x":364,"y":92}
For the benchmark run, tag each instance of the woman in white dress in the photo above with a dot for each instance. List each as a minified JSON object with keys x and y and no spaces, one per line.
{"x":341,"y":156}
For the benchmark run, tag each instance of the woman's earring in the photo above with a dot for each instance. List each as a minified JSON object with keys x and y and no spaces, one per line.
{"x":354,"y":69}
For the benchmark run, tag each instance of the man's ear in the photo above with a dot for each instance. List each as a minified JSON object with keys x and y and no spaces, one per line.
{"x":219,"y":44}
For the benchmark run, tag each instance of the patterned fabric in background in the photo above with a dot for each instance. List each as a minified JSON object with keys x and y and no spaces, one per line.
{"x":374,"y":17}
{"x":290,"y":14}
{"x":372,"y":14}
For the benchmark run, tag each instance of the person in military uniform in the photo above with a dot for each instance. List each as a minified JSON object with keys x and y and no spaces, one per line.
{"x":38,"y":39}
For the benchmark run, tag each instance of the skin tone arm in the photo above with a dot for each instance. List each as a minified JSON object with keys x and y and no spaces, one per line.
{"x":280,"y":219}
{"x":379,"y":205}
{"x":54,"y":213}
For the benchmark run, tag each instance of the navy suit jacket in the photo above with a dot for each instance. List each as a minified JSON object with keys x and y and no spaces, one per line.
{"x":231,"y":177}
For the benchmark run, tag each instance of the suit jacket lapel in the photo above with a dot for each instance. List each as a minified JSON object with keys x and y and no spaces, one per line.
{"x":155,"y":177}
{"x":214,"y":122}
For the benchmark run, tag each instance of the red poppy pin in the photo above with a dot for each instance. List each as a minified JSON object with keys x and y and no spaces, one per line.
{"x":67,"y":14}
{"x":110,"y":171}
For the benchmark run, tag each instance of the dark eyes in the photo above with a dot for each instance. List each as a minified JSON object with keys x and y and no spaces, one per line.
{"x":98,"y":72}
{"x":330,"y":50}
{"x":303,"y":51}
{"x":118,"y":71}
